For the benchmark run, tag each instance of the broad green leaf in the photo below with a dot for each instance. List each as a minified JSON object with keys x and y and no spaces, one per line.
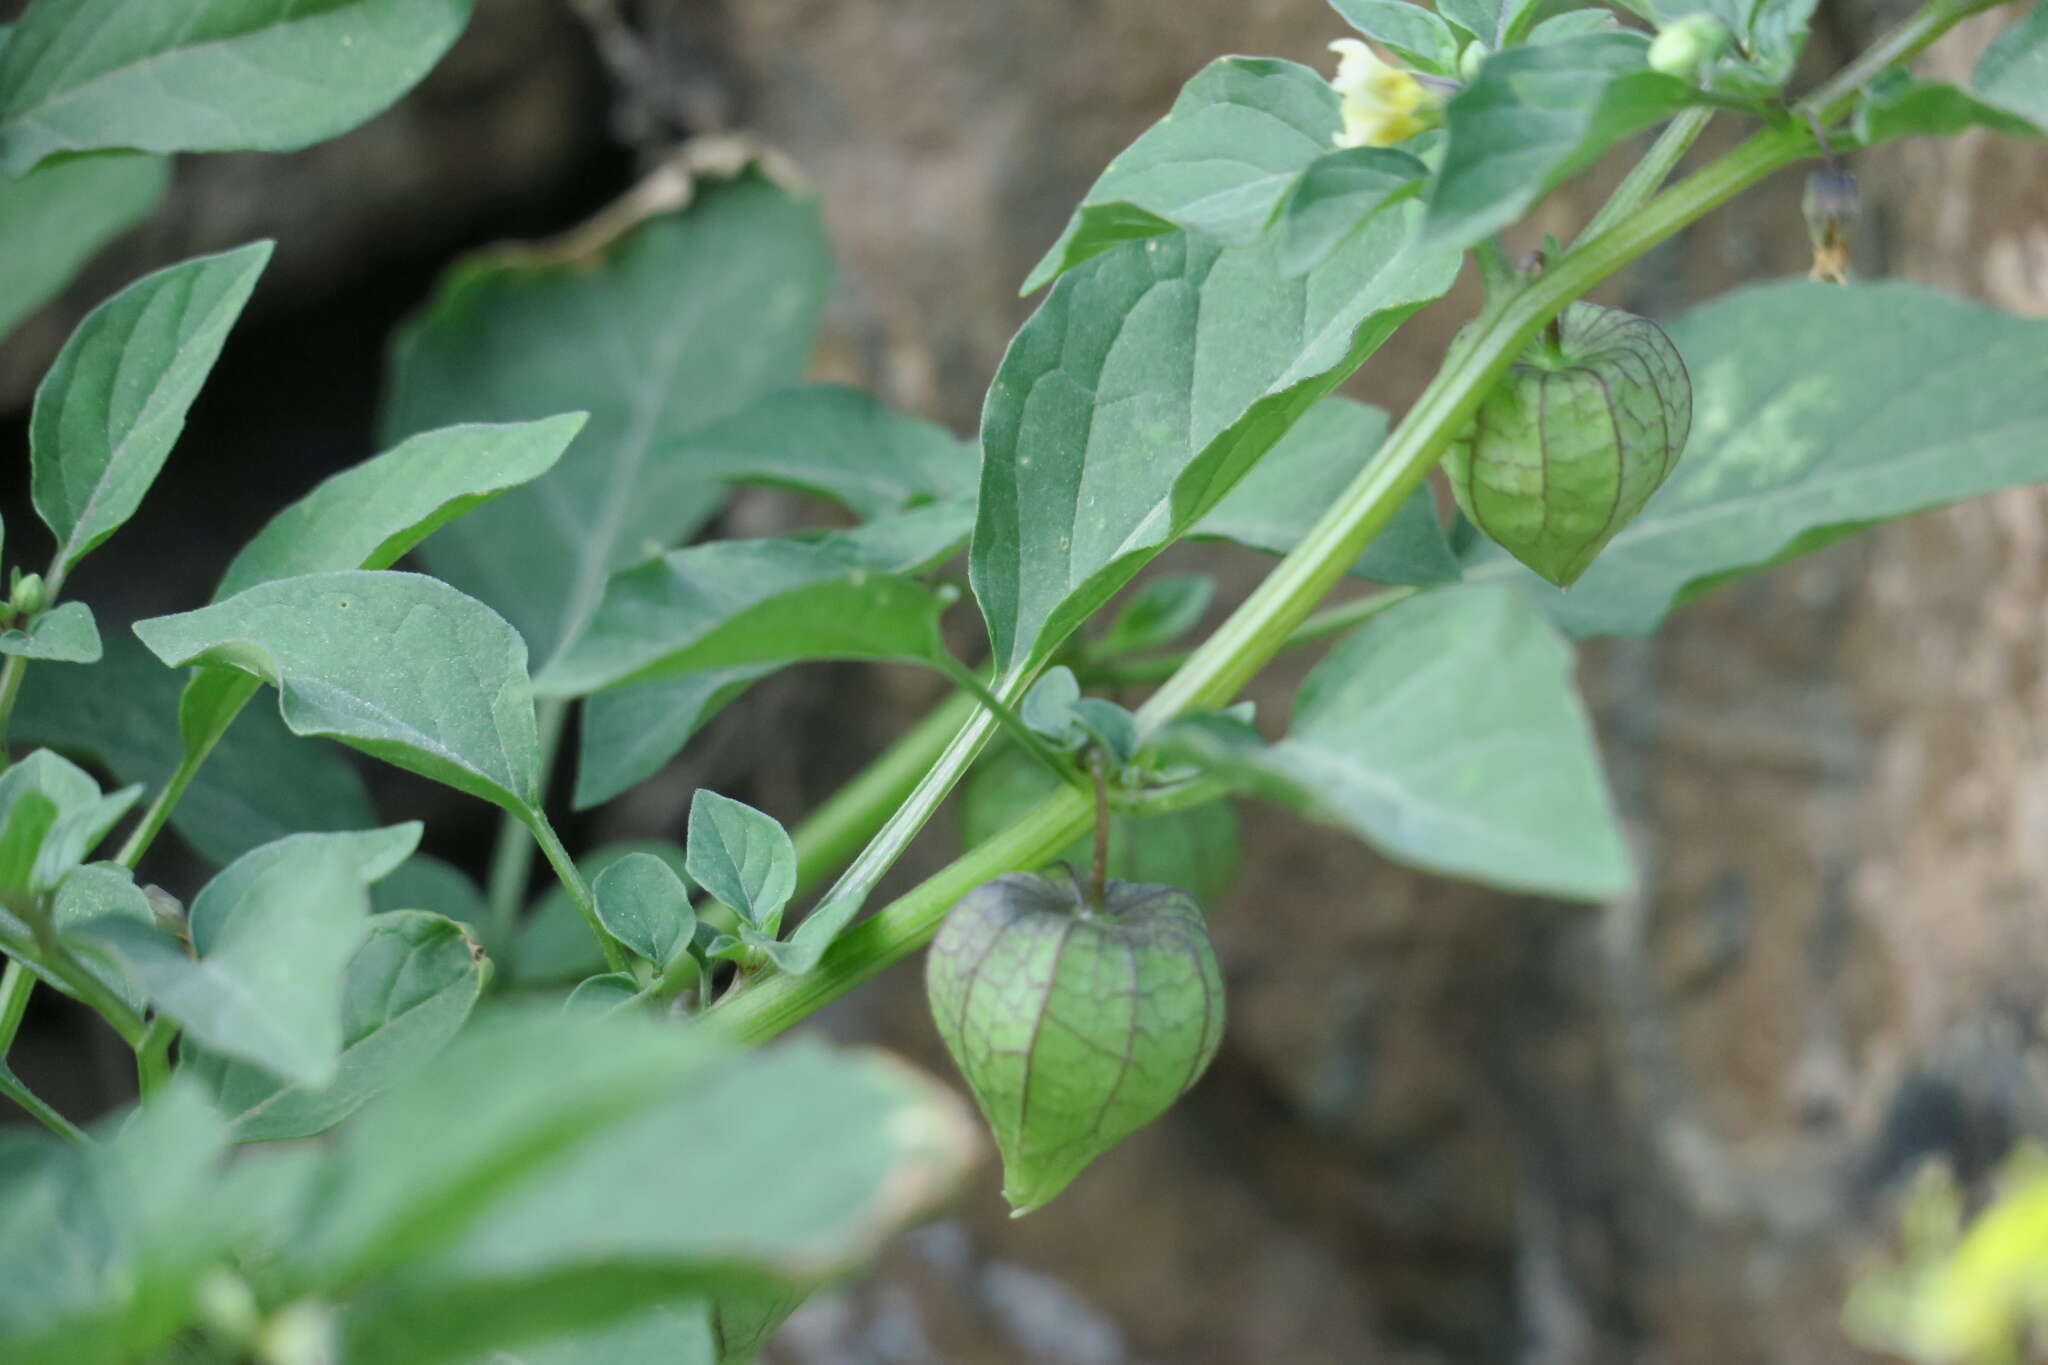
{"x":1410,"y":31}
{"x":741,"y":857}
{"x":555,"y":945}
{"x":1572,"y":23}
{"x":274,"y":933}
{"x":1196,"y":849}
{"x":1895,"y":105}
{"x":1534,"y":116}
{"x":838,"y":443}
{"x":368,"y":517}
{"x":1817,"y":410}
{"x":209,"y":75}
{"x":1497,"y":23}
{"x":1334,"y":197}
{"x":643,"y":904}
{"x":2013,"y":72}
{"x":735,"y":1189}
{"x":424,"y":882}
{"x":398,"y":665}
{"x":405,"y":993}
{"x":53,"y":815}
{"x":1447,"y":735}
{"x":114,"y":401}
{"x":260,"y":783}
{"x":627,"y":734}
{"x":1217,"y":164}
{"x":56,"y":217}
{"x":1274,"y":506}
{"x":658,"y":333}
{"x":63,"y":634}
{"x":371,"y":853}
{"x":1151,"y":379}
{"x":1158,"y":613}
{"x":671,"y":1333}
{"x":738,"y":603}
{"x":89,"y":892}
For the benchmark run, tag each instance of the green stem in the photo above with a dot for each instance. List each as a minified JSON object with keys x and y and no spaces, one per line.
{"x":1267,"y":620}
{"x":153,"y":1055}
{"x":1013,"y":725}
{"x":579,"y":890}
{"x":166,"y":800}
{"x":56,"y":960}
{"x":512,"y":856}
{"x":17,"y":984}
{"x":13,"y":1088}
{"x":10,"y":687}
{"x":1838,"y":94}
{"x":1320,"y":626}
{"x":1647,"y":176}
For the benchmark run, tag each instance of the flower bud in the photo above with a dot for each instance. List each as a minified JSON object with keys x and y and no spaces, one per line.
{"x":1687,"y":44}
{"x":1073,"y":1026}
{"x":1574,"y":439}
{"x":27,"y":595}
{"x":1470,"y":60}
{"x":1382,"y":104}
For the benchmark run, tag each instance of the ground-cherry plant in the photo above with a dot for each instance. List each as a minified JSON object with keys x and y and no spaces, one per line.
{"x":545,"y":1132}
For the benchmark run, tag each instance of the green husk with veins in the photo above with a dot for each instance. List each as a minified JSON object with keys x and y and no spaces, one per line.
{"x":1574,"y":439}
{"x":1074,"y":1026}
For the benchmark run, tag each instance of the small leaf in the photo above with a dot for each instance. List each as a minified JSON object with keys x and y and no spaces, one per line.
{"x":88,"y":892}
{"x":368,"y":517}
{"x":555,"y":945}
{"x":401,"y":666}
{"x":809,"y":940}
{"x":2013,"y":72}
{"x":838,"y":443}
{"x":739,"y":603}
{"x":114,"y":401}
{"x":405,"y":994}
{"x":57,"y":216}
{"x":64,"y":634}
{"x":667,"y":325}
{"x":1236,"y":137}
{"x":742,"y":857}
{"x":53,"y":815}
{"x":1113,"y":729}
{"x":1302,"y":476}
{"x":1048,"y":708}
{"x":209,"y":75}
{"x":644,"y":905}
{"x":1159,"y":613}
{"x":1335,"y":197}
{"x":628,"y":733}
{"x":601,"y":995}
{"x":1447,"y":735}
{"x":1409,"y":31}
{"x":1534,"y":116}
{"x":1895,"y":105}
{"x":1572,"y":23}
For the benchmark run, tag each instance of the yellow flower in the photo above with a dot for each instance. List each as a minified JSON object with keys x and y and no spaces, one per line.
{"x":1382,"y":104}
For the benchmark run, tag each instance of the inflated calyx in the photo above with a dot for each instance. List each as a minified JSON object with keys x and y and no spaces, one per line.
{"x":1574,"y":439}
{"x":1073,"y":1025}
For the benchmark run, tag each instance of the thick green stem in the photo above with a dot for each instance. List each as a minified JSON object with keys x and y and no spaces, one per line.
{"x":512,"y":857}
{"x":10,"y":687}
{"x":1265,"y":621}
{"x":1647,"y":176}
{"x":1320,"y":626}
{"x":578,"y":889}
{"x":153,"y":1055}
{"x":12,"y":1087}
{"x":1013,"y":725}
{"x":17,"y":983}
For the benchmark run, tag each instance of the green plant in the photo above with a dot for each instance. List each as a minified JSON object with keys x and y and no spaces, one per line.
{"x":595,"y":1167}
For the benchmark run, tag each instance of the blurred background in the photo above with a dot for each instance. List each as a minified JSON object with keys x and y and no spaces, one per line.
{"x":1447,"y":1125}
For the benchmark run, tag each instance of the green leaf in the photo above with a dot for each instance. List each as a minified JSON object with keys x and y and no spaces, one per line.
{"x":1111,"y":728}
{"x":273,"y":933}
{"x":1409,"y":31}
{"x":738,"y":603}
{"x":1497,"y":23}
{"x":628,"y":733}
{"x":56,"y":217}
{"x":1895,"y":105}
{"x":405,"y":993}
{"x":1048,"y":708}
{"x":87,"y":893}
{"x":398,"y":665}
{"x":658,"y":333}
{"x":260,"y":783}
{"x":672,"y":1333}
{"x":838,"y":443}
{"x":736,"y":1191}
{"x":1158,"y":613}
{"x":1533,"y":117}
{"x":369,"y":516}
{"x":602,"y":994}
{"x":1336,"y":195}
{"x":1274,"y":506}
{"x":63,"y":634}
{"x":1217,"y":164}
{"x":643,"y":904}
{"x":209,"y":75}
{"x":1151,"y":379}
{"x":555,"y":945}
{"x":1572,"y":23}
{"x":114,"y":401}
{"x":53,"y":815}
{"x":2013,"y":72}
{"x":1195,"y":849}
{"x":742,"y":857}
{"x":424,"y":882}
{"x":1817,"y":409}
{"x":1448,"y":736}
